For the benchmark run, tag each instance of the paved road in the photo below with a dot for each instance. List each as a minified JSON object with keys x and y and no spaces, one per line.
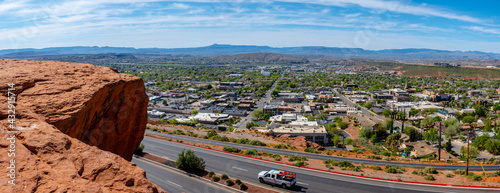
{"x":259,"y":105}
{"x":173,"y":181}
{"x":323,"y":156}
{"x":307,"y":180}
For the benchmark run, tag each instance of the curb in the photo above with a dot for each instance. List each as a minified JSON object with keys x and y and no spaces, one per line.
{"x":345,"y":174}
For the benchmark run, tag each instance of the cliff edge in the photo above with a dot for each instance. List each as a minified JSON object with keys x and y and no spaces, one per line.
{"x":76,"y":126}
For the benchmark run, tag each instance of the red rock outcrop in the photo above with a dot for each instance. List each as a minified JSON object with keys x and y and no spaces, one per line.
{"x":299,"y":141}
{"x":68,"y":116}
{"x":47,"y":160}
{"x":94,"y":104}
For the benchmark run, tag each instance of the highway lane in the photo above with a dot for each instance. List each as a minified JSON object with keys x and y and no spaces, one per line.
{"x":173,"y":181}
{"x":307,"y":180}
{"x":323,"y":156}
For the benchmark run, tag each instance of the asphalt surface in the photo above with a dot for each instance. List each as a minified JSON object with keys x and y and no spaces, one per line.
{"x":323,"y":156}
{"x":307,"y":180}
{"x":173,"y":181}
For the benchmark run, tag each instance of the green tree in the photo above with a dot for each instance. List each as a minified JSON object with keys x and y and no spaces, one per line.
{"x":493,"y":146}
{"x":473,"y":152}
{"x":408,"y":150}
{"x":336,"y":140}
{"x":194,"y":112}
{"x":393,"y":141}
{"x":431,"y":135}
{"x":322,"y":116}
{"x":258,"y":114}
{"x":447,"y":146}
{"x":189,"y":162}
{"x":468,"y":119}
{"x":343,"y":125}
{"x":387,"y":112}
{"x":348,"y":141}
{"x":480,"y":141}
{"x":487,"y":125}
{"x":413,"y":112}
{"x":412,"y":133}
{"x":427,"y":122}
{"x":139,"y":149}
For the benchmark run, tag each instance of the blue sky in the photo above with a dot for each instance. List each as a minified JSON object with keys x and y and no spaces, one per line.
{"x":368,"y":24}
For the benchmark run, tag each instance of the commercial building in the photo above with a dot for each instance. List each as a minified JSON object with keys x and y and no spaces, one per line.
{"x":313,"y":132}
{"x":270,"y":109}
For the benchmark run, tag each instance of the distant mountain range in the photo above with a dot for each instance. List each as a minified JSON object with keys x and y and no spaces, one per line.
{"x":402,"y":55}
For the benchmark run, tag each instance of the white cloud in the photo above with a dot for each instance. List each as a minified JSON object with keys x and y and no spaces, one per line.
{"x":484,"y":30}
{"x":393,"y":6}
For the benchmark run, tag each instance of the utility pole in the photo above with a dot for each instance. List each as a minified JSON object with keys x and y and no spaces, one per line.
{"x":467,"y":166}
{"x":439,"y":139}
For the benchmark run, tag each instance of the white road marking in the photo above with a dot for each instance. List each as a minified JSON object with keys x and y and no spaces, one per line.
{"x":174,"y":183}
{"x":302,"y":183}
{"x":240,"y":169}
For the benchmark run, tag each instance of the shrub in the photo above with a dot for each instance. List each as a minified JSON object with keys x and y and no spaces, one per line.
{"x":211,"y":133}
{"x":301,"y":163}
{"x":376,"y":168}
{"x":373,"y":157}
{"x":243,"y":186}
{"x":356,"y":169}
{"x":345,"y":164}
{"x":243,"y":141}
{"x":459,"y":172}
{"x":420,"y":173}
{"x":231,"y":149}
{"x":233,"y":140}
{"x":429,"y":177}
{"x":139,"y":149}
{"x":448,"y":175}
{"x":224,"y":177}
{"x":251,"y":152}
{"x":394,"y":169}
{"x":280,"y":146}
{"x":188,"y":161}
{"x":237,"y":181}
{"x":386,"y":153}
{"x":277,"y":157}
{"x":229,"y":182}
{"x":215,"y":178}
{"x":430,"y":170}
{"x":311,"y":150}
{"x":257,"y":143}
{"x":295,"y":157}
{"x":211,"y":173}
{"x":477,"y":178}
{"x":293,"y":147}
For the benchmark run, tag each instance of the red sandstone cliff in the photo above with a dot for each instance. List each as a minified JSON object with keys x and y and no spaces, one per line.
{"x":62,"y":108}
{"x":94,"y":104}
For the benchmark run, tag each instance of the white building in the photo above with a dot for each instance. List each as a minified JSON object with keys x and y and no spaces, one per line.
{"x":313,"y":132}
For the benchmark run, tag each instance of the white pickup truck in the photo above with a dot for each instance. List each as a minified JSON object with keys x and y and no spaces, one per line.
{"x":278,"y":177}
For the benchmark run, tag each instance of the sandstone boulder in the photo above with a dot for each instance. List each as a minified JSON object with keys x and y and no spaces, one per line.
{"x":94,"y":104}
{"x":77,"y":125}
{"x":48,"y":160}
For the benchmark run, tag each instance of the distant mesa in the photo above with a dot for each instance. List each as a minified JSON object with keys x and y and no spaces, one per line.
{"x":402,"y":55}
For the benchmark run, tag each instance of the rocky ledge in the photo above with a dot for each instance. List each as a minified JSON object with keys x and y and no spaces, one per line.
{"x":77,"y":126}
